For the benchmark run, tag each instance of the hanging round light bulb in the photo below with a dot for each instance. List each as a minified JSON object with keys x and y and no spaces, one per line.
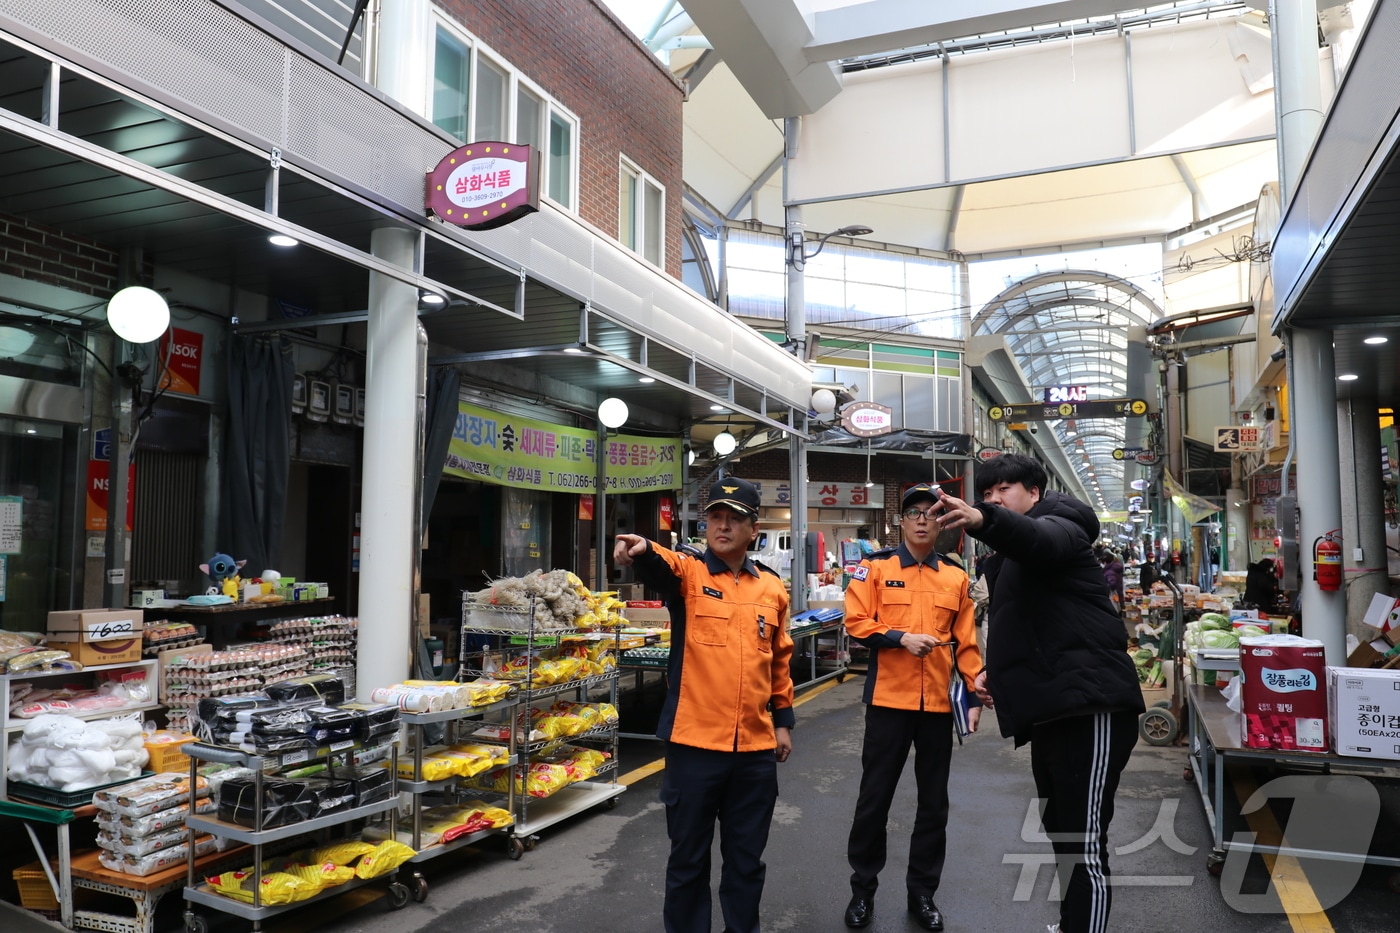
{"x":612,"y":412}
{"x":823,"y":401}
{"x":137,"y":314}
{"x":725,"y":443}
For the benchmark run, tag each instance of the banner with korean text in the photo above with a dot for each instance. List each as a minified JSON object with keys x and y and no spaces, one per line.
{"x":509,"y":450}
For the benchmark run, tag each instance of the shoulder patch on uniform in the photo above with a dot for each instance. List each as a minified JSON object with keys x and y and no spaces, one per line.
{"x":711,"y":591}
{"x":861,"y":573}
{"x":898,"y":583}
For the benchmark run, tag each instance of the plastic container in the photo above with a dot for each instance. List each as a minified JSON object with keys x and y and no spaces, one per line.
{"x":168,"y":755}
{"x":34,"y":890}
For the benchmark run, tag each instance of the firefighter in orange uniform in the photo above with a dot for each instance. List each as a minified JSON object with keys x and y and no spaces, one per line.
{"x":912,"y":610}
{"x":727,"y":717}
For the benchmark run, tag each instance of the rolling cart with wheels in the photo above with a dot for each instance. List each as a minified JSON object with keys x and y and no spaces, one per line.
{"x":449,"y":787}
{"x":198,"y":893}
{"x":517,"y":635}
{"x":1160,"y":724}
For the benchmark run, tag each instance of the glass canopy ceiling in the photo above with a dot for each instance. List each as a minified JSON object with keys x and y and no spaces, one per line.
{"x":1071,"y":328}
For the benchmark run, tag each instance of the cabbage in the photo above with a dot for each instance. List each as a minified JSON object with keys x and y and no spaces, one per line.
{"x":1214,"y":639}
{"x":1143,"y":656}
{"x":1250,"y":631}
{"x":1215,"y":621}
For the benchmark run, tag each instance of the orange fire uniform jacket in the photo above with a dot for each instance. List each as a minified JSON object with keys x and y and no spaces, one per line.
{"x":729,"y":680}
{"x":890,"y":594}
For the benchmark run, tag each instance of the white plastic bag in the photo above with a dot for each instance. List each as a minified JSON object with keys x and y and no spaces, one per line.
{"x":1232,"y":692}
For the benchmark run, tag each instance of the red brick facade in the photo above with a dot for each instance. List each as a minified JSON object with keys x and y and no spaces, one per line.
{"x":43,"y":255}
{"x":625,"y":100}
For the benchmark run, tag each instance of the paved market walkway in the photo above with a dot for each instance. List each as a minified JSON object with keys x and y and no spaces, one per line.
{"x":602,"y":872}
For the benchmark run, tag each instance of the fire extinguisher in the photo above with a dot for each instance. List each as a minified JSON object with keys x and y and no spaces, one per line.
{"x":1327,"y":561}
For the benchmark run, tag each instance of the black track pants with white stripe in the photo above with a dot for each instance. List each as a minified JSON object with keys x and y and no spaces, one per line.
{"x":1076,"y":763}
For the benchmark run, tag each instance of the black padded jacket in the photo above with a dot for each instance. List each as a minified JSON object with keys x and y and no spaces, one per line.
{"x":1056,"y":646}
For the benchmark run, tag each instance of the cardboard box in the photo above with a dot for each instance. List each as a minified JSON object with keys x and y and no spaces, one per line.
{"x":1365,"y":656}
{"x":97,"y":636}
{"x":1284,"y":694}
{"x":90,"y":625}
{"x":1364,"y":707}
{"x":647,"y":616}
{"x":93,"y":653}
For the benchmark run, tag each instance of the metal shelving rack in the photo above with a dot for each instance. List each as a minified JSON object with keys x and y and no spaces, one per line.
{"x":15,"y":726}
{"x":197,"y":893}
{"x":448,"y":786}
{"x":518,"y":634}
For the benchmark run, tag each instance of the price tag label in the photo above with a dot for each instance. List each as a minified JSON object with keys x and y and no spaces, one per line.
{"x":296,"y":758}
{"x":341,"y":746}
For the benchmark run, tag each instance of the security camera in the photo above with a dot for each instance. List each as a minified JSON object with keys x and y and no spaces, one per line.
{"x":1033,"y":431}
{"x":1278,"y":355}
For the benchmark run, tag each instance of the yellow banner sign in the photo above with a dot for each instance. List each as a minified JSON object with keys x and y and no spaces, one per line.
{"x":509,"y":450}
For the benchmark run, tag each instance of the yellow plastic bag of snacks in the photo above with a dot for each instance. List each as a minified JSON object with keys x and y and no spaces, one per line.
{"x":341,"y":853}
{"x":386,"y":856}
{"x":278,"y":887}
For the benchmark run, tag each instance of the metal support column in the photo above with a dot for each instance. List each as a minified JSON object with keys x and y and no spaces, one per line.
{"x":1313,"y":399}
{"x":1365,"y":565}
{"x":388,"y":505}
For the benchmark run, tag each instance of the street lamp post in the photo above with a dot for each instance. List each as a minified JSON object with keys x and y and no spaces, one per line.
{"x":136,"y":315}
{"x":797,"y":255}
{"x":612,"y":413}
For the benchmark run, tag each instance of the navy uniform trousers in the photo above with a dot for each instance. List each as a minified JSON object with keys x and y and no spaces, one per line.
{"x":888,"y":735}
{"x":739,"y":789}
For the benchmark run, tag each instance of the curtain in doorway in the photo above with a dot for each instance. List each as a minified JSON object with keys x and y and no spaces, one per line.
{"x":444,"y":383}
{"x":257,"y":457}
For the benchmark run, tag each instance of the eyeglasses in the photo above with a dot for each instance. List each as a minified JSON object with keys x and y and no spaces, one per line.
{"x":916,"y":514}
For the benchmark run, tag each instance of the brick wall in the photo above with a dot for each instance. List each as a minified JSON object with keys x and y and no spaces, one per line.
{"x":42,"y":255}
{"x":626,"y":102}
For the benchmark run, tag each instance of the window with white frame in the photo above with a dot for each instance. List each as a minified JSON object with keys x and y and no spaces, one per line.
{"x":641,"y":212}
{"x":475,"y":95}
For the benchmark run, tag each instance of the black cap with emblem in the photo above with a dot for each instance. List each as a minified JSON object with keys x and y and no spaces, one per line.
{"x":734,"y":493}
{"x":918,"y":493}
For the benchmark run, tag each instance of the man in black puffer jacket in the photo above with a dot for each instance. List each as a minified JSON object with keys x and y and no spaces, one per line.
{"x":1058,"y":672}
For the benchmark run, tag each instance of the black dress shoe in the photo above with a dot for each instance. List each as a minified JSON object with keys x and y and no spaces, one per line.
{"x":859,"y":912}
{"x":925,"y":911}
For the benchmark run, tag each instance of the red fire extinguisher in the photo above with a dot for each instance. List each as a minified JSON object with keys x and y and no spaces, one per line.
{"x":1327,"y":561}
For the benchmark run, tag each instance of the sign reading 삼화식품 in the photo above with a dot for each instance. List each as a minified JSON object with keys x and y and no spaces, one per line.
{"x":509,"y":450}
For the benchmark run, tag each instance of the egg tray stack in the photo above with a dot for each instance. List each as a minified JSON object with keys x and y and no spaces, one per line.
{"x":163,"y":636}
{"x":329,"y":641}
{"x":192,"y":678}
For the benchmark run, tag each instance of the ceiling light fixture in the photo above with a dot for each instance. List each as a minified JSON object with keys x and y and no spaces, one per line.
{"x":1377,"y":340}
{"x":717,"y":408}
{"x":282,"y":240}
{"x":612,"y":412}
{"x":431,"y":298}
{"x":725,"y":443}
{"x":1348,"y":377}
{"x":573,"y":349}
{"x":645,"y":380}
{"x":137,"y":314}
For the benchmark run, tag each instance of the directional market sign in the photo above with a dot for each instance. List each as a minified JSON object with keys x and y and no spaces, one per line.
{"x":1103,"y":408}
{"x":1136,"y":455}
